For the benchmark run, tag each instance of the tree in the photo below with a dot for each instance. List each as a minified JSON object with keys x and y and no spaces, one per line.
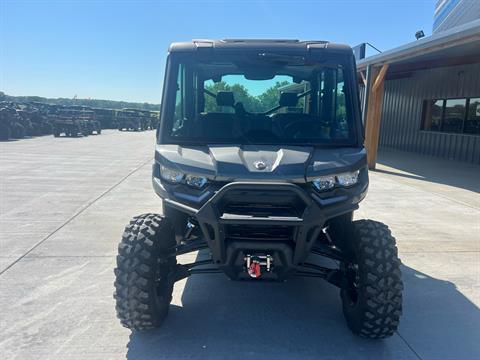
{"x":240,"y":94}
{"x":269,"y":99}
{"x":107,"y":104}
{"x":254,"y":104}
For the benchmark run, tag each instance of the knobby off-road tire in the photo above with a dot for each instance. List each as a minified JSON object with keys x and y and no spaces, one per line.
{"x":373,"y":306}
{"x":142,"y":290}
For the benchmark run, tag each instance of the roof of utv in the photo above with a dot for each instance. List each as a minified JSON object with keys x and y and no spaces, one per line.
{"x":257,"y":44}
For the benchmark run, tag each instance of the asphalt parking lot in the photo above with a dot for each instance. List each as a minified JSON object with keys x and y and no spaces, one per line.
{"x":64,"y":203}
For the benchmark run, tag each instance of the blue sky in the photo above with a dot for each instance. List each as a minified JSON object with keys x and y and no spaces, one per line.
{"x":117,"y":49}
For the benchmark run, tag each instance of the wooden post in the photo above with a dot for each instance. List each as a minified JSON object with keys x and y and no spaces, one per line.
{"x":374,"y":113}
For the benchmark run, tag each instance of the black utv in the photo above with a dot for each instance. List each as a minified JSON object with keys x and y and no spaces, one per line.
{"x":260,"y":163}
{"x":133,"y":119}
{"x":71,"y":122}
{"x":106,"y":118}
{"x":12,"y":125}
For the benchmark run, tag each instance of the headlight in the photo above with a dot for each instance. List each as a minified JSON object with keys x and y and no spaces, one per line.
{"x":171,"y":175}
{"x":324,"y":183}
{"x":177,"y":177}
{"x":328,"y":182}
{"x":196,"y":181}
{"x":348,"y":179}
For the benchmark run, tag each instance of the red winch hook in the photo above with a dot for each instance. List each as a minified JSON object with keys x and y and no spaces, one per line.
{"x":255,"y":270}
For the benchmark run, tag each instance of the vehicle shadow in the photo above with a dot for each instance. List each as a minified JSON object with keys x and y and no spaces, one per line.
{"x":302,"y":318}
{"x":430,"y":169}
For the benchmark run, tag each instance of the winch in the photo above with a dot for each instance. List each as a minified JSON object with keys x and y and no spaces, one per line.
{"x":255,"y":263}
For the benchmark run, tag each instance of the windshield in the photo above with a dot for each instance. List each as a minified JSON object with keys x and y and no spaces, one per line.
{"x":253,"y":99}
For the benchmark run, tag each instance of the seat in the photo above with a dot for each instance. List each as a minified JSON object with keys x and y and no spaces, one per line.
{"x":218,"y":125}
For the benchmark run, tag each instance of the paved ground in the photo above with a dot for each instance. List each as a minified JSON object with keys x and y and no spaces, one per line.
{"x":63,"y":205}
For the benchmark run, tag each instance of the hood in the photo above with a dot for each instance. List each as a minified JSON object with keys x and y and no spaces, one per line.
{"x":259,"y":162}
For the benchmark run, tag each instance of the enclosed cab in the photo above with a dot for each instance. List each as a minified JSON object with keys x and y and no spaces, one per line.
{"x":260,"y":160}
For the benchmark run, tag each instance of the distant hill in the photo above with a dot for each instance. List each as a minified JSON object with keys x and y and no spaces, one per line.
{"x":96,"y":103}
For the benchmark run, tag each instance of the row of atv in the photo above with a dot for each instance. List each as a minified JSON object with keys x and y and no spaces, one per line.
{"x":18,"y":121}
{"x":136,"y":120}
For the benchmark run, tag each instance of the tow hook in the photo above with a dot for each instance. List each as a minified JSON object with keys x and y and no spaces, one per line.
{"x":254,"y":264}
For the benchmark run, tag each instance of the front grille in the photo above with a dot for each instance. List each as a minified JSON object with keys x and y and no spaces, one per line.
{"x":259,"y":233}
{"x":261,"y":210}
{"x":262,"y":203}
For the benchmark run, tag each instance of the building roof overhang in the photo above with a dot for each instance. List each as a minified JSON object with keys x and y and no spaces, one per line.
{"x":459,"y":45}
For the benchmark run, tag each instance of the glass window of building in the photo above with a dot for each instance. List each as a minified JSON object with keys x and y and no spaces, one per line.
{"x":454,"y":115}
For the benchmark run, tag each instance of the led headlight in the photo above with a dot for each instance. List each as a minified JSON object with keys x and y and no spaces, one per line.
{"x":328,"y":182}
{"x":324,"y":182}
{"x":348,"y":179}
{"x":196,"y":181}
{"x":171,"y":175}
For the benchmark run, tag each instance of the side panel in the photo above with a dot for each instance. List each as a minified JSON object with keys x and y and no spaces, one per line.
{"x":402,"y":113}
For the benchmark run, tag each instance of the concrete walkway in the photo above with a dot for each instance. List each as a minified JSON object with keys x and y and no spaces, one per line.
{"x":64,"y":203}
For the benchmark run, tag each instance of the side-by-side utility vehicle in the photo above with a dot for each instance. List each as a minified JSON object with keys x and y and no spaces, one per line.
{"x":133,"y":119}
{"x":74,"y":121}
{"x":260,"y":165}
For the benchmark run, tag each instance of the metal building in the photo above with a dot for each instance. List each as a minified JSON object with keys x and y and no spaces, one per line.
{"x":424,"y":97}
{"x":451,"y":13}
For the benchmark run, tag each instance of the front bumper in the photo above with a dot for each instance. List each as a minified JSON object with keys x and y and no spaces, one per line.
{"x":287,"y":233}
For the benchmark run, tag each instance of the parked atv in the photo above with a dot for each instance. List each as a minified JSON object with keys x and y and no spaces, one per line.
{"x":154,"y":119}
{"x":106,"y":117}
{"x":35,"y":123}
{"x":133,"y":119}
{"x":12,"y":125}
{"x":70,"y":122}
{"x":260,"y":160}
{"x":93,"y":125}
